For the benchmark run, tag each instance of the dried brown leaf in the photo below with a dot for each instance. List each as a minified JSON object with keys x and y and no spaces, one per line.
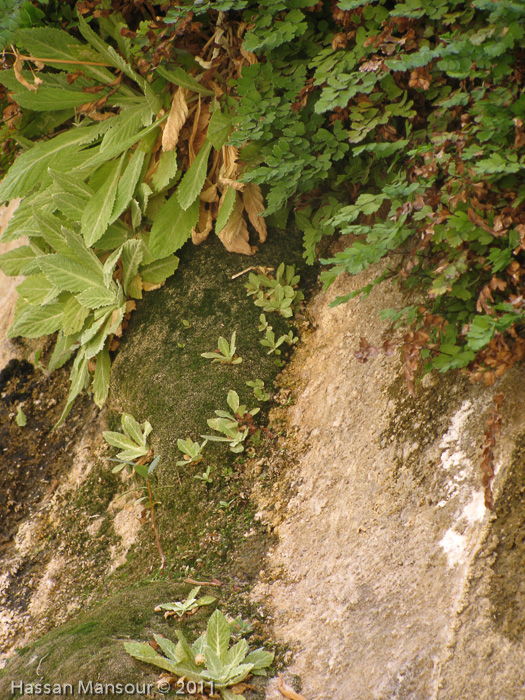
{"x":201,"y":232}
{"x":234,"y":235}
{"x":254,"y":205}
{"x":17,"y":68}
{"x":286,"y":691}
{"x":176,"y":120}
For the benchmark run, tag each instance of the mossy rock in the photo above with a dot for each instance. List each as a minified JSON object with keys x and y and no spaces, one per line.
{"x":91,"y":648}
{"x":159,"y":375}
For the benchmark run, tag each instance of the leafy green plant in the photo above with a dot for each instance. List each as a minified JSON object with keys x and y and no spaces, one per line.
{"x":133,"y":441}
{"x":277,"y":293}
{"x":258,"y":390}
{"x":231,"y":425}
{"x":186,"y":607}
{"x":105,"y":203}
{"x":225,"y":353}
{"x":137,"y":457}
{"x":269,"y":341}
{"x":210,"y":659}
{"x":205,"y":476}
{"x":192,"y":451}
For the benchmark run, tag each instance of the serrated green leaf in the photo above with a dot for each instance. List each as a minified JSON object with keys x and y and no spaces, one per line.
{"x":13,"y":262}
{"x":259,"y":659}
{"x":112,"y":57}
{"x":67,"y":274}
{"x":95,"y":297}
{"x":22,"y":222}
{"x":37,"y":290}
{"x":74,"y":317}
{"x":158,"y":271}
{"x":30,"y":169}
{"x":172,"y":227}
{"x":116,"y":234}
{"x":193,"y":180}
{"x":48,"y":42}
{"x":214,"y":666}
{"x":132,"y":254}
{"x":79,"y":378}
{"x":166,"y":170}
{"x":62,"y":351}
{"x":167,"y":646}
{"x":95,"y":344}
{"x":128,"y":182}
{"x":136,"y":214}
{"x":109,"y":265}
{"x":178,"y":76}
{"x":219,"y":129}
{"x":65,"y":182}
{"x":226,"y":208}
{"x":101,"y":377}
{"x":97,"y":214}
{"x":70,"y":205}
{"x":144,"y":652}
{"x":236,"y":654}
{"x":36,"y":321}
{"x":218,"y":634}
{"x":121,"y":146}
{"x":126,"y":125}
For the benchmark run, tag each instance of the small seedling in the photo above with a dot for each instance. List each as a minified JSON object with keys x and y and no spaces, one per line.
{"x":205,"y":476}
{"x":258,"y":390}
{"x":137,"y":456}
{"x":240,"y":626}
{"x":263,"y":323}
{"x":269,"y":341}
{"x":21,"y":418}
{"x":186,"y":607}
{"x":230,"y":424}
{"x":225,"y":353}
{"x":276,"y":294}
{"x":208,"y":660}
{"x":186,"y":323}
{"x":192,"y":451}
{"x":133,"y":443}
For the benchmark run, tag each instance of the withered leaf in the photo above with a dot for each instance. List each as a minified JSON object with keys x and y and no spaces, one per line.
{"x":234,"y":235}
{"x":254,"y":205}
{"x":176,"y":120}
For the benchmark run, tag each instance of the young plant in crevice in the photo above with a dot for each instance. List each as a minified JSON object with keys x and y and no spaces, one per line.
{"x":258,"y":390}
{"x":277,"y":293}
{"x":235,"y":426}
{"x":136,"y":457}
{"x":186,"y":607}
{"x":225,"y":353}
{"x":192,"y":451}
{"x":209,"y":660}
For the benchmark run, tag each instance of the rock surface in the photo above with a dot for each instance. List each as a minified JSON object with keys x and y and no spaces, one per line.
{"x":391,"y":579}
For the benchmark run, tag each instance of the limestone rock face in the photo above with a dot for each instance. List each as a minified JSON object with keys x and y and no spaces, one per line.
{"x":390,"y":578}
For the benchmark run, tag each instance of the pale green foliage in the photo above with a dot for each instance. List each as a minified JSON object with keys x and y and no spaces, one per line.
{"x":258,"y":390}
{"x":269,"y":340}
{"x":225,"y":354}
{"x":192,"y":451}
{"x":20,"y":418}
{"x":132,"y":441}
{"x":277,"y":293}
{"x":205,"y":477}
{"x":80,"y":191}
{"x":223,"y":665}
{"x":183,"y":607}
{"x":230,"y":424}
